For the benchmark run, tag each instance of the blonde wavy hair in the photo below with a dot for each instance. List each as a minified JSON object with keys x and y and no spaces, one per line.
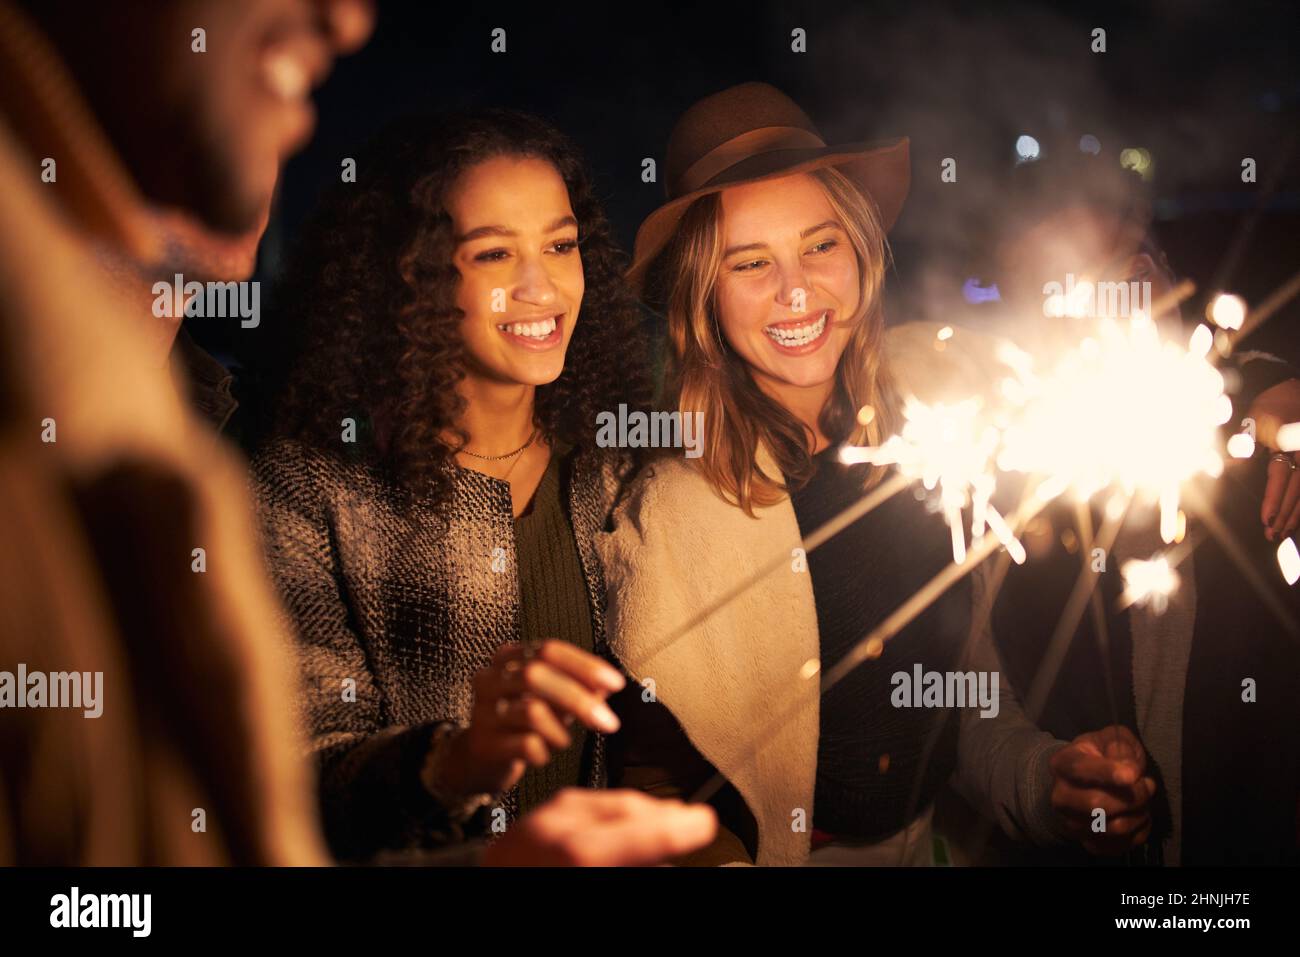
{"x":710,"y":379}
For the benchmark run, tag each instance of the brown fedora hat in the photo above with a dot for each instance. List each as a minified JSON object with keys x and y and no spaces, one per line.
{"x":753,"y":132}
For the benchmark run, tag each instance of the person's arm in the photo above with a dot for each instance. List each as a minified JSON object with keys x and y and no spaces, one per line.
{"x":1040,"y":789}
{"x":1260,"y":373}
{"x":1004,"y":761}
{"x":369,"y":771}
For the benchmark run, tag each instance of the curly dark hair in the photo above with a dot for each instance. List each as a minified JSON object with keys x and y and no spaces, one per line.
{"x":370,"y":297}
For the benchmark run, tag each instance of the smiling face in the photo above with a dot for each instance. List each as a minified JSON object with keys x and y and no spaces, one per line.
{"x":784,"y":247}
{"x":517,"y":251}
{"x":228,"y":116}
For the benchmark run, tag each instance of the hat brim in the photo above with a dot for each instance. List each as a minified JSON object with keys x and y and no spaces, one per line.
{"x":881,"y":171}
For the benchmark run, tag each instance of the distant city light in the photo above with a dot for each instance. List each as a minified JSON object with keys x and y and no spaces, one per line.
{"x":1138,"y":160}
{"x":1089,"y":144}
{"x":1026,"y":148}
{"x":974,"y":293}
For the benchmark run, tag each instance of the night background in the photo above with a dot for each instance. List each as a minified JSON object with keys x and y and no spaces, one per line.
{"x":1198,"y":85}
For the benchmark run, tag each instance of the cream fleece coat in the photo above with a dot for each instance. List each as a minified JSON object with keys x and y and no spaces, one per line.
{"x":678,"y":550}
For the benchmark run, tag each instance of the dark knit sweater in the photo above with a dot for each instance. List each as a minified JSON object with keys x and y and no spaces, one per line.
{"x":873,"y":772}
{"x":396,"y":606}
{"x":553,"y":603}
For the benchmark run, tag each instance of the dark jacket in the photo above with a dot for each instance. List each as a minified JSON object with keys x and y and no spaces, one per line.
{"x":1240,"y":774}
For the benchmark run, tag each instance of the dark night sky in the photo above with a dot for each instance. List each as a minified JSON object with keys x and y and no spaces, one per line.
{"x":1200,"y":85}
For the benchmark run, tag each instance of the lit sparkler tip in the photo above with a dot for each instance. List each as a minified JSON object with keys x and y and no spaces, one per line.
{"x":953,"y":515}
{"x":1241,"y":445}
{"x":1288,"y":560}
{"x":1201,"y":341}
{"x":1169,"y":515}
{"x":1227,"y":311}
{"x":1288,"y":437}
{"x":1150,"y":582}
{"x":1051,"y":487}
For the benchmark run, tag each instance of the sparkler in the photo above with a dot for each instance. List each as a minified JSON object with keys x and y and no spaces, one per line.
{"x":1125,"y":411}
{"x":1149,"y":582}
{"x":951,"y":447}
{"x":1289,"y":559}
{"x":1288,"y":437}
{"x":1122,"y":409}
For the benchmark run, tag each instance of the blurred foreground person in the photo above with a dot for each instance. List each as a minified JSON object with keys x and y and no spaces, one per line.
{"x":152,"y":720}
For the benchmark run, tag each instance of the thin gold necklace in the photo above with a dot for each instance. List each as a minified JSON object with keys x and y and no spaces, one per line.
{"x":509,"y":455}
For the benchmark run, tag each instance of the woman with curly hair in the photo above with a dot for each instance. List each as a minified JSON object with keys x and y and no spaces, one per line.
{"x":431,"y":486}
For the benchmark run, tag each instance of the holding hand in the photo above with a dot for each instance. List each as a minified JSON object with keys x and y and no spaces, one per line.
{"x":1272,"y":409}
{"x":524,"y":703}
{"x":1104,"y":769}
{"x":1280,"y":511}
{"x":581,"y":828}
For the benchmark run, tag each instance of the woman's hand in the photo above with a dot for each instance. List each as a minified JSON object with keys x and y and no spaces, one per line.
{"x":1104,"y":770}
{"x":524,"y":703}
{"x":1272,"y":409}
{"x":579,"y":828}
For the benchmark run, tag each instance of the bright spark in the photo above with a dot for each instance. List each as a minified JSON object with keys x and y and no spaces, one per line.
{"x":1149,"y":583}
{"x":1289,"y":561}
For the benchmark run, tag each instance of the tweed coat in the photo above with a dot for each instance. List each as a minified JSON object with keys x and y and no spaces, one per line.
{"x":395,"y":607}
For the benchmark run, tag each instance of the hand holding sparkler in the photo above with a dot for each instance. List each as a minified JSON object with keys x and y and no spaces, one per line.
{"x":1101,"y":790}
{"x":525,"y":701}
{"x":1274,"y":412}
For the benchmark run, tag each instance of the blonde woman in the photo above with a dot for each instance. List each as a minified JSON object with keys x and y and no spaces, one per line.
{"x":769,"y":261}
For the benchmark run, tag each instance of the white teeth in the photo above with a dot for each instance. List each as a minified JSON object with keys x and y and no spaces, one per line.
{"x":798,"y":336}
{"x":529,"y":330}
{"x":285,"y":76}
